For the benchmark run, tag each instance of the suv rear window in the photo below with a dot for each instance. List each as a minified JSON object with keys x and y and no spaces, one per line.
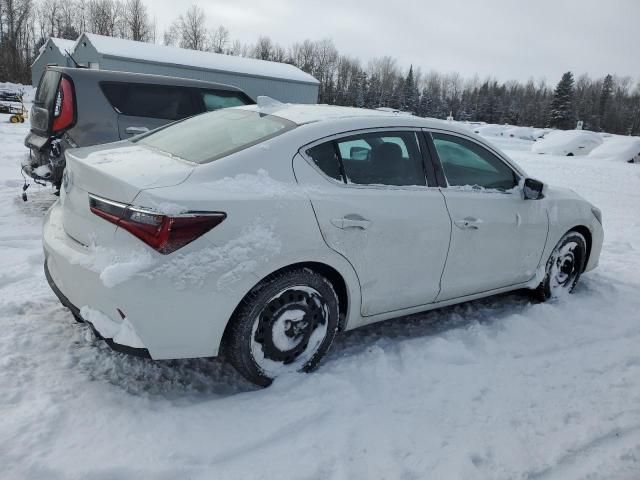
{"x":214,"y":135}
{"x":151,"y":101}
{"x":47,"y":88}
{"x":215,"y":100}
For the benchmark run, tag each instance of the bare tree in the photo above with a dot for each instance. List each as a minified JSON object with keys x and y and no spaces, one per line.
{"x":189,"y":30}
{"x":263,"y":48}
{"x":219,"y":40}
{"x":137,"y":20}
{"x":103,"y":16}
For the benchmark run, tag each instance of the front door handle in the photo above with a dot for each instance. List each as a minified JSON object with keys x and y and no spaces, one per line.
{"x":468,"y":223}
{"x":136,"y":130}
{"x":351,"y":221}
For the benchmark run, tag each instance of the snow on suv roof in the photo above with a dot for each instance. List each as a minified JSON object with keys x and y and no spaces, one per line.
{"x":130,"y":49}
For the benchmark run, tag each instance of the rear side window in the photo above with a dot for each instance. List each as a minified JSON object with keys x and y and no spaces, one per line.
{"x":214,"y":135}
{"x":384,"y":158}
{"x":47,"y":87}
{"x":324,"y":156}
{"x":215,"y":100}
{"x":151,"y":101}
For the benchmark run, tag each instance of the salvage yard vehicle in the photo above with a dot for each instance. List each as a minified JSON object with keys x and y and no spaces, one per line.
{"x":261,"y":231}
{"x":78,"y":107}
{"x":567,"y":143}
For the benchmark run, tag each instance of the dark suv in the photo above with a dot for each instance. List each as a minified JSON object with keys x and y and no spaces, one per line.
{"x":76,"y":107}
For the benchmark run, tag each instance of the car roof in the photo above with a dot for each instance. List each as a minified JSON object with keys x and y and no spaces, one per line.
{"x":115,"y":76}
{"x":302,"y":114}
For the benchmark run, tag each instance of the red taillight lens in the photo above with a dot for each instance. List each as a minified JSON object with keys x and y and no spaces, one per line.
{"x":63,"y":106}
{"x":163,"y":233}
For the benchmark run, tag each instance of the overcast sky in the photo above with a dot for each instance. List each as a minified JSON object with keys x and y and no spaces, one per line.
{"x":508,"y":39}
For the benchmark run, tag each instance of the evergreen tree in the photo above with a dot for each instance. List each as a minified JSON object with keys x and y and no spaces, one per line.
{"x":562,"y":113}
{"x":411,"y":95}
{"x":605,"y":98}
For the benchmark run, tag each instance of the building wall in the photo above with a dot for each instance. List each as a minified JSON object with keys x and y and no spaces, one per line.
{"x":282,"y":90}
{"x":51,"y":54}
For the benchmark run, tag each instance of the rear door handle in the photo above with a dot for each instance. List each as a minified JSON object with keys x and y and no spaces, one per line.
{"x":351,"y":222}
{"x":468,"y":223}
{"x":136,"y":130}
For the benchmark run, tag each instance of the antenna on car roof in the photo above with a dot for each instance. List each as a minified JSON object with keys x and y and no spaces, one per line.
{"x":77,"y":65}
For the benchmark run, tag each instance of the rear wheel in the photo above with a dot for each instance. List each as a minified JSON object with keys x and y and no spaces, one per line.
{"x":564,"y":267}
{"x":14,"y":119}
{"x":285,"y":324}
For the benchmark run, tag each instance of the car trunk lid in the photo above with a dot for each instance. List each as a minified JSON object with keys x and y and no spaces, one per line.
{"x":117,"y":173}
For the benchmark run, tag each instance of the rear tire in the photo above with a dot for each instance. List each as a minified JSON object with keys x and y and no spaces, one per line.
{"x":285,"y":324}
{"x":564,"y":267}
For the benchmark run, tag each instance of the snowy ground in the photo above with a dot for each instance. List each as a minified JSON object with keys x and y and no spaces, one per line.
{"x":494,"y":389}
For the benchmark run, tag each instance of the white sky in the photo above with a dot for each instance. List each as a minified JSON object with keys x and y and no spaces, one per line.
{"x":508,"y":39}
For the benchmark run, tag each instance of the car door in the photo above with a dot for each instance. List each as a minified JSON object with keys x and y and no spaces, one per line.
{"x":374,"y":207}
{"x":497,"y":237}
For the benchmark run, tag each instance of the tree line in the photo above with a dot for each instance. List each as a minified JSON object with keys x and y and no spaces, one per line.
{"x":611,"y":103}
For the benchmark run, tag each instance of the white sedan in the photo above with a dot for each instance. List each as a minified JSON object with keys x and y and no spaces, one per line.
{"x":261,"y":232}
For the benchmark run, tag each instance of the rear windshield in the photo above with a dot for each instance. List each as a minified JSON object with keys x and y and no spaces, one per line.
{"x":47,"y":87}
{"x":213,"y":135}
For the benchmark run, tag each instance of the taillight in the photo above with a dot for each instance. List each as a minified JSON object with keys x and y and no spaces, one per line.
{"x":164,"y":233}
{"x":63,"y":106}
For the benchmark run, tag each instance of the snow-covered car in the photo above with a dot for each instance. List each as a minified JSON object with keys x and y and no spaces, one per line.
{"x":619,"y":148}
{"x":262,"y":231}
{"x":567,"y":142}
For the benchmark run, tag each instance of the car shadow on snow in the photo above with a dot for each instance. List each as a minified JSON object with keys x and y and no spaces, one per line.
{"x":207,"y":378}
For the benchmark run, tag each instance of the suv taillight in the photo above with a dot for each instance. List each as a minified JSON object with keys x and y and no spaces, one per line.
{"x":163,"y":233}
{"x":63,"y":106}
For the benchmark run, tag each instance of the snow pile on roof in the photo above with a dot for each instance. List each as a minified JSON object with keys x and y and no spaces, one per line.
{"x":63,"y":44}
{"x":567,"y":142}
{"x":618,"y":148}
{"x":118,"y":47}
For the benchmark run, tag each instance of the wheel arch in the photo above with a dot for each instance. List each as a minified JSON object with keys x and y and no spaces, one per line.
{"x":330,"y":273}
{"x":586,"y":233}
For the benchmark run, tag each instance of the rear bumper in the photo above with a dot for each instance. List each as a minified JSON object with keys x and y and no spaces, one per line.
{"x":136,"y":310}
{"x":138,"y":352}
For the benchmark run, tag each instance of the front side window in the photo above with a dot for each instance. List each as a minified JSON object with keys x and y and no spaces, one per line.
{"x":214,"y":135}
{"x":215,"y":100}
{"x":382,"y":158}
{"x":466,"y":163}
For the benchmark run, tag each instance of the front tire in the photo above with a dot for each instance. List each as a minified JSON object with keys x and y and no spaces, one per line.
{"x":564,"y":267}
{"x":285,"y":324}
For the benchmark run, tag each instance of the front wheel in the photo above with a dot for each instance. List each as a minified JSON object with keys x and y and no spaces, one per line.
{"x":285,"y":324}
{"x":564,"y":267}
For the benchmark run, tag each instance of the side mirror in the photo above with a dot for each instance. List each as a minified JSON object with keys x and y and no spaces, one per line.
{"x":533,"y":189}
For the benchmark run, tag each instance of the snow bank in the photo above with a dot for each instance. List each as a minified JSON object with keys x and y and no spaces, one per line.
{"x":618,"y":148}
{"x":567,"y":142}
{"x":28,"y":92}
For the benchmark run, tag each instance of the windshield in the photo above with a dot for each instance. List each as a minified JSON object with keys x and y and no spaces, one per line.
{"x":210,"y":136}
